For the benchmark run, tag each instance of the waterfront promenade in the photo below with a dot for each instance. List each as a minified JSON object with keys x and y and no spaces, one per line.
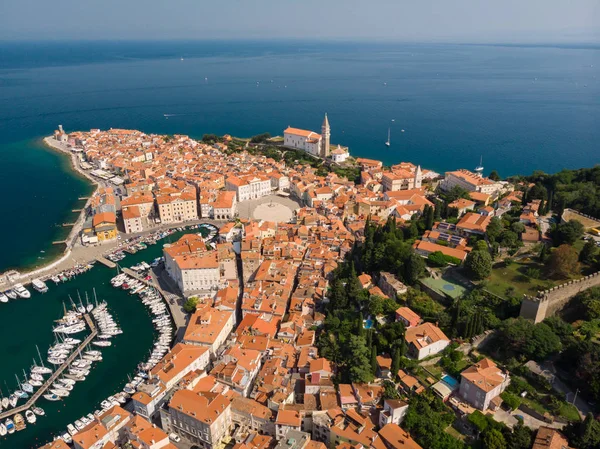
{"x":31,"y":402}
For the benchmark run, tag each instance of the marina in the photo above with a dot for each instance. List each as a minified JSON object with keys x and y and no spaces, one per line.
{"x":55,"y":375}
{"x":122,"y":359}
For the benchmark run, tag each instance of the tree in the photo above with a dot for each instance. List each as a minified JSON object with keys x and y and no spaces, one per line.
{"x":521,"y":336}
{"x":493,"y":439}
{"x":478,"y":264}
{"x":494,"y":176}
{"x":588,"y":252}
{"x":568,"y":232}
{"x":360,"y":367}
{"x":429,"y":215}
{"x":563,"y":262}
{"x":374,"y":359}
{"x":389,"y":390}
{"x":396,"y":361}
{"x":517,"y":227}
{"x":586,"y":434}
{"x":521,"y":437}
{"x":494,"y":229}
{"x":190,"y":304}
{"x":414,"y":268}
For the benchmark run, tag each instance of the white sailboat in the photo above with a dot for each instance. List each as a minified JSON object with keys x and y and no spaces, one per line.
{"x":388,"y":142}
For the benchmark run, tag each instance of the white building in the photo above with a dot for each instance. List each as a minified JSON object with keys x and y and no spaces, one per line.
{"x":339,"y":154}
{"x":249,"y":187}
{"x":425,"y":340}
{"x":481,"y":383}
{"x":309,"y":141}
{"x":470,"y":181}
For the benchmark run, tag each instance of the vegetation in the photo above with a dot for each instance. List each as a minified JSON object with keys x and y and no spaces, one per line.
{"x":426,"y":419}
{"x":478,"y":264}
{"x":563,"y":262}
{"x":190,"y":304}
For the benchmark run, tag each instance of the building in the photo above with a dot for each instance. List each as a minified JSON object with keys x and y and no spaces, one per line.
{"x":547,"y":438}
{"x":473,"y":223}
{"x":105,"y":226}
{"x":202,"y":418}
{"x":339,"y":154}
{"x":249,"y":187}
{"x":309,"y":141}
{"x":425,"y":340}
{"x":394,"y":437}
{"x":425,"y":248}
{"x":482,"y":383}
{"x":287,"y":420}
{"x":192,"y":266}
{"x":132,"y":220}
{"x":209,"y":327}
{"x":471,"y":182}
{"x":391,"y":285}
{"x":393,"y":411}
{"x":174,"y":366}
{"x":105,"y":429}
{"x":402,"y":179}
{"x":407,"y":317}
{"x":177,"y":206}
{"x":225,"y":205}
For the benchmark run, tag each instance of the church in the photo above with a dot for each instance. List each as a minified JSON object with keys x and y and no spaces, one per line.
{"x":309,"y":141}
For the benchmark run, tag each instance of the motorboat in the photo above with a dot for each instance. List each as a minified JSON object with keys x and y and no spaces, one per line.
{"x":38,"y":411}
{"x":71,"y":429}
{"x":60,"y":392}
{"x":52,"y":397}
{"x":30,"y":417}
{"x":11,"y":294}
{"x":66,"y":438}
{"x":3,"y":430}
{"x":5,"y":403}
{"x":39,"y":285}
{"x":21,"y":291}
{"x":79,"y":425}
{"x":19,"y":422}
{"x":3,"y":297}
{"x":10,"y":426}
{"x":102,"y":343}
{"x":55,"y":279}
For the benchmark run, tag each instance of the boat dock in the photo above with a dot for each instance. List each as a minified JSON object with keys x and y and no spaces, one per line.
{"x":55,"y":375}
{"x":106,"y":262}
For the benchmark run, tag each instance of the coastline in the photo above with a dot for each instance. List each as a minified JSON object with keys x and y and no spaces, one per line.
{"x":25,"y":274}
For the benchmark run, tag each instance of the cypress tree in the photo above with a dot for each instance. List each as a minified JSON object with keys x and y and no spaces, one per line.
{"x":374,"y":359}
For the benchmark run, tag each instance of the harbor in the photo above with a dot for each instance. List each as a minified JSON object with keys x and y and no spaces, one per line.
{"x":120,"y":361}
{"x":56,"y":374}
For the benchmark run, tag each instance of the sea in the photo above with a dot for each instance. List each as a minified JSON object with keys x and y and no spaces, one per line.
{"x":517,"y":108}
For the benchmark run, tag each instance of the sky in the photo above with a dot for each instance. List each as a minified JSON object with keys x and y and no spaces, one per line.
{"x":474,"y":21}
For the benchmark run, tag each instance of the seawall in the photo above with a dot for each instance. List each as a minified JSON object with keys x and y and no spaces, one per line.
{"x":548,"y":302}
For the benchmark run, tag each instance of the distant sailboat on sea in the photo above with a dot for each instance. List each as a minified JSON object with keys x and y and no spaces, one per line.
{"x":388,"y":142}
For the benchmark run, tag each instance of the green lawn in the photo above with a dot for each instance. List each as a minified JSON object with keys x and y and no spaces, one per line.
{"x":514,"y":275}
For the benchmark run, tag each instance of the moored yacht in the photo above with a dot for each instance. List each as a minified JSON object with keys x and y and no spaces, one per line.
{"x":39,"y":285}
{"x":10,"y":426}
{"x":10,"y":294}
{"x":30,"y":417}
{"x":21,"y":291}
{"x":3,"y":297}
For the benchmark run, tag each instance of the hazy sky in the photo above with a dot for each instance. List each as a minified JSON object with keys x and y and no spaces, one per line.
{"x":406,"y":20}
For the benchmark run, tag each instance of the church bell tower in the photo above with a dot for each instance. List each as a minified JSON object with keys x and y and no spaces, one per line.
{"x":325,"y":136}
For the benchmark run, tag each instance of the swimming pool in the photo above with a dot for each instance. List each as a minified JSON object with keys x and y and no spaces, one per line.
{"x":368,"y":323}
{"x":450,"y":381}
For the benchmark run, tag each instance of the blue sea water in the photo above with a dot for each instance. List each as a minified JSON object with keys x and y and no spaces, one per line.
{"x":522,"y":108}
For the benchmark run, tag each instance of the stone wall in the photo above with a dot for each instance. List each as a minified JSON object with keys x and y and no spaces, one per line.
{"x":548,"y":302}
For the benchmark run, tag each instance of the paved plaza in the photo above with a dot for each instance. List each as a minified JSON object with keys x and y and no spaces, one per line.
{"x":270,"y":208}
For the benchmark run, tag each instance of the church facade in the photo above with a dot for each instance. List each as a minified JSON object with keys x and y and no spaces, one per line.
{"x":309,"y":141}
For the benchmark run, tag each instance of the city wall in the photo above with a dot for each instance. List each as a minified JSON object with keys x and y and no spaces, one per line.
{"x":548,"y":302}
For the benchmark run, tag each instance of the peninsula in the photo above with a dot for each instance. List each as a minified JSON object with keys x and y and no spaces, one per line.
{"x":336,"y":302}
